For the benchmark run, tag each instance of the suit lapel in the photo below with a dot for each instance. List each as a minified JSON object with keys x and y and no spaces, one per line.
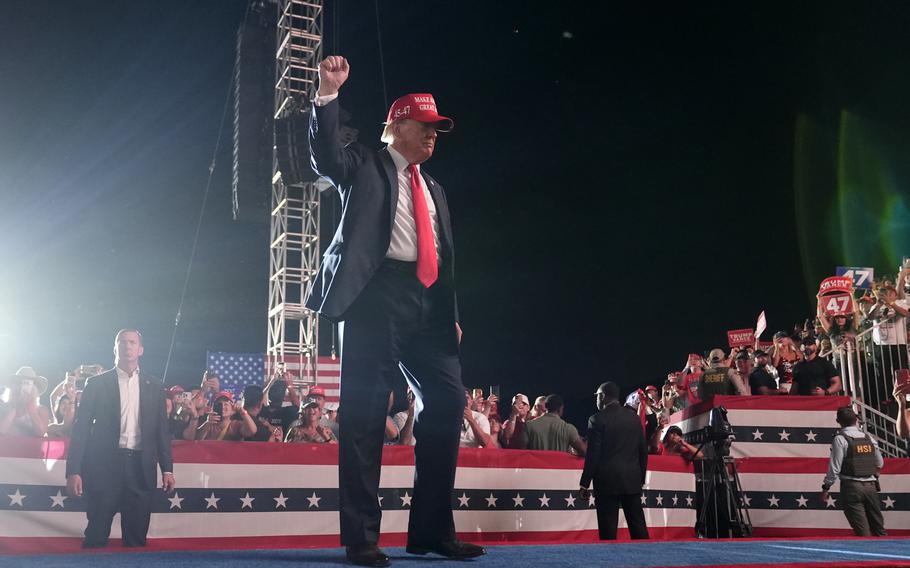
{"x":442,"y":211}
{"x":146,"y":407}
{"x":115,"y":395}
{"x":392,"y":174}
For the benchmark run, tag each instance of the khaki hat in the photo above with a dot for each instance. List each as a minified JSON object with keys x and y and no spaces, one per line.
{"x":26,"y":373}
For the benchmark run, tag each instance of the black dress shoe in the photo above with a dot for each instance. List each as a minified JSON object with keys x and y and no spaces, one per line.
{"x":454,"y":549}
{"x":367,"y":555}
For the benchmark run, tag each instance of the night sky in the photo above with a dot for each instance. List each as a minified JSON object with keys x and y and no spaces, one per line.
{"x":621,"y":177}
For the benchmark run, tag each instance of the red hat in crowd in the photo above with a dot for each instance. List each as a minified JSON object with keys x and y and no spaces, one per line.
{"x":650,"y":388}
{"x":225,"y":394}
{"x":316,"y":391}
{"x":420,"y":107}
{"x":175,"y":390}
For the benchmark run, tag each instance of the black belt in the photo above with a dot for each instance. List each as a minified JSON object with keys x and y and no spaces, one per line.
{"x":400,"y":265}
{"x":129,"y":453}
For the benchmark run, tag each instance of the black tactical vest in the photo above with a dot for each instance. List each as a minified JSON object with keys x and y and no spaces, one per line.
{"x":859,"y":459}
{"x":715,"y":381}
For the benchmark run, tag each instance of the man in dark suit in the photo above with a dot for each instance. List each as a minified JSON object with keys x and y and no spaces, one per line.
{"x":119,"y":437}
{"x":617,"y":461}
{"x":388,"y":276}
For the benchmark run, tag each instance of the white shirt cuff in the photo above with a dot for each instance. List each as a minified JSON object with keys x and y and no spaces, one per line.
{"x":324,"y":99}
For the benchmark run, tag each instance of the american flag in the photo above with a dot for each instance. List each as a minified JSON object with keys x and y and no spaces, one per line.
{"x":237,"y":370}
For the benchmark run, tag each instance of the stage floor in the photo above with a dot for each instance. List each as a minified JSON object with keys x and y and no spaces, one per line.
{"x":879,"y":552}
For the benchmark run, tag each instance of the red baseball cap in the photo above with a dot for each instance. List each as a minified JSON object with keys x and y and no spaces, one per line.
{"x":420,"y":107}
{"x":175,"y":390}
{"x":316,"y":391}
{"x":225,"y":394}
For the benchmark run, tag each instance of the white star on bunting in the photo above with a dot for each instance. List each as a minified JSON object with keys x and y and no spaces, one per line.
{"x":380,"y":498}
{"x":831,"y":501}
{"x":314,"y":501}
{"x":747,"y":500}
{"x":211,"y":502}
{"x":801,"y":502}
{"x":247,"y":501}
{"x":757,"y":435}
{"x":544,"y":501}
{"x":784,"y":436}
{"x":773,"y":500}
{"x":281,"y":501}
{"x":16,"y":498}
{"x":644,"y":499}
{"x":491,"y":501}
{"x":176,"y":501}
{"x":570,"y":500}
{"x":519,"y":500}
{"x":888,"y":502}
{"x":688,"y":501}
{"x":660,"y":500}
{"x":675,"y":500}
{"x":810,"y":436}
{"x":405,"y":500}
{"x":58,"y":499}
{"x":463,"y":500}
{"x":591,"y":500}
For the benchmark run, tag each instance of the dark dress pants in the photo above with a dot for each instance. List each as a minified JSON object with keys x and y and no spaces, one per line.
{"x":396,"y":320}
{"x":122,"y":488}
{"x":862,"y":507}
{"x":608,"y":515}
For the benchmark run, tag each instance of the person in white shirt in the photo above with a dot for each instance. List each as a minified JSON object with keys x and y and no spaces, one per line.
{"x":889,"y":334}
{"x":119,"y":437}
{"x":475,"y":429}
{"x":389,"y":277}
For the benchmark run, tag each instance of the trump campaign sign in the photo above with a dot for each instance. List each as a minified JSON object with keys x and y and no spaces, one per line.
{"x":740,"y":337}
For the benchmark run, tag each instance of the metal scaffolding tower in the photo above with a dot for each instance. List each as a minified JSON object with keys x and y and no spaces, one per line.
{"x":294,"y":236}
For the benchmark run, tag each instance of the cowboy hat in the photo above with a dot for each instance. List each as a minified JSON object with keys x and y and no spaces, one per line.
{"x":26,"y":373}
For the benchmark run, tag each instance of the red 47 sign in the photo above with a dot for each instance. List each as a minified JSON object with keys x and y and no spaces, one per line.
{"x":838,"y":305}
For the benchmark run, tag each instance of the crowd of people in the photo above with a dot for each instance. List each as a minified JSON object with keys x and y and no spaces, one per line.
{"x":797,"y":362}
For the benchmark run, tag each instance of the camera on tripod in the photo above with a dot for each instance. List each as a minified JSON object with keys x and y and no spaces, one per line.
{"x":718,"y":432}
{"x":722,"y":512}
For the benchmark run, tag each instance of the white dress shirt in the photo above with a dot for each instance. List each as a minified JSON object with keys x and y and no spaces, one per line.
{"x":130,"y":433}
{"x":403,"y":243}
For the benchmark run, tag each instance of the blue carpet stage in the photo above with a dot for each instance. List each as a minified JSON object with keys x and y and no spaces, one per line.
{"x":755,"y":553}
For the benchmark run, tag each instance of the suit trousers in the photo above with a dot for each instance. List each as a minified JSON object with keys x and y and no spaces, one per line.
{"x":608,"y":515}
{"x":396,"y":320}
{"x":125,"y":490}
{"x":862,"y":507}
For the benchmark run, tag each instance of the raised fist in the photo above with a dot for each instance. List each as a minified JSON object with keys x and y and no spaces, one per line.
{"x":333,"y":72}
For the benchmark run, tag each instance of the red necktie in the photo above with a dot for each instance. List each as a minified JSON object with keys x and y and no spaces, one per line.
{"x":427,"y":271}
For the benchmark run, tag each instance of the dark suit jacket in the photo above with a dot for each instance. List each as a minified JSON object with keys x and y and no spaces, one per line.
{"x":368,"y":184}
{"x":96,"y":430}
{"x":617,"y":457}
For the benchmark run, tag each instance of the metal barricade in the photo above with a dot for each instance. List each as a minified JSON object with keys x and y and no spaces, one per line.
{"x":867,"y":363}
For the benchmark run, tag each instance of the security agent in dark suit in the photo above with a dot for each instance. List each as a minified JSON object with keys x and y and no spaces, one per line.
{"x":388,"y":276}
{"x":119,"y":437}
{"x":617,"y":461}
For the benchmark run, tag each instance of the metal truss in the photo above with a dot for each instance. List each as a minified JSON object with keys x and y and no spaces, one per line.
{"x":294,"y":237}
